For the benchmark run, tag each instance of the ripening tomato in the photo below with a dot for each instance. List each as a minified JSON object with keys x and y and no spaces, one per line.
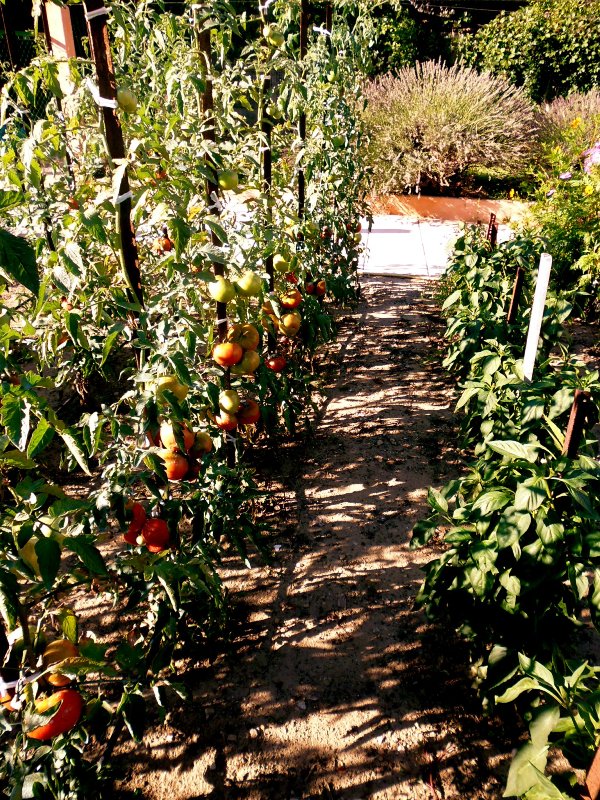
{"x":168,"y":432}
{"x":248,"y":412}
{"x":176,"y":466}
{"x":226,"y":422}
{"x":138,"y":513}
{"x":56,"y":652}
{"x":69,"y":707}
{"x":291,"y":299}
{"x":226,"y":354}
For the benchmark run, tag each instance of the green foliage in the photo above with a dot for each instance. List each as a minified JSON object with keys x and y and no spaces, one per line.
{"x":549,"y":47}
{"x":519,"y":574}
{"x":80,"y":327}
{"x":431,"y":122}
{"x":397,"y":39}
{"x":566,"y":215}
{"x":568,"y":126}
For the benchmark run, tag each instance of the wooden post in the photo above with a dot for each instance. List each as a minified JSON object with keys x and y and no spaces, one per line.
{"x":583,"y":412}
{"x":267,"y":164}
{"x":591,"y":789}
{"x":212,"y":188}
{"x":516,"y":296}
{"x":59,"y":38}
{"x":492,"y":231}
{"x":212,"y":191}
{"x":107,"y":89}
{"x":58,"y":32}
{"x":328,"y":17}
{"x":304,"y":11}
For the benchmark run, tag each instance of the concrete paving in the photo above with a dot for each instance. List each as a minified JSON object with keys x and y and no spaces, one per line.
{"x":406,"y":247}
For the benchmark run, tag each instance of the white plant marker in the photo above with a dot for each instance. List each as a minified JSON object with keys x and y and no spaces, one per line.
{"x":537,"y":314}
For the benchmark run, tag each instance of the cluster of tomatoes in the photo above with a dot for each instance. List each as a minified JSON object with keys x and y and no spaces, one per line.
{"x":61,"y":710}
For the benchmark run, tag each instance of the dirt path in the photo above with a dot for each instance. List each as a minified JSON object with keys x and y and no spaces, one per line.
{"x":336,"y":687}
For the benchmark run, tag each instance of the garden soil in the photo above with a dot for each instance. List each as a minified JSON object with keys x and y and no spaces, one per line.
{"x":332,"y":684}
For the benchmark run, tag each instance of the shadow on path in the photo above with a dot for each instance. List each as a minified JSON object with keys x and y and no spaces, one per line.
{"x":335,"y":686}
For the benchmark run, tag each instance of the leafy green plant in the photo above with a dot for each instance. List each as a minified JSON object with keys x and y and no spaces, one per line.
{"x":431,"y":122}
{"x":548,"y":47}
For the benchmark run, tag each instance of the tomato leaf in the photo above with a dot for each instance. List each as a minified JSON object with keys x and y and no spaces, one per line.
{"x":133,"y":710}
{"x":10,"y":199}
{"x":9,"y":598}
{"x":18,"y":262}
{"x":69,"y":438}
{"x":15,"y":417}
{"x":41,"y":438}
{"x":87,"y":552}
{"x":47,"y":550}
{"x":68,"y":624}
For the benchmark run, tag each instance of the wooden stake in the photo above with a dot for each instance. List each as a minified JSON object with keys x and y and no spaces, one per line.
{"x":583,"y":412}
{"x":304,"y":12}
{"x":592,"y":780}
{"x":212,"y":192}
{"x":328,"y":17}
{"x":267,"y":164}
{"x":537,"y":314}
{"x":212,"y":188}
{"x":101,"y":55}
{"x":516,"y":296}
{"x":492,"y":231}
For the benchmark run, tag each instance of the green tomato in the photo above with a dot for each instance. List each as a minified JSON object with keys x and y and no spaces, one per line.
{"x":170,"y":383}
{"x":273,"y":36}
{"x":127,"y":100}
{"x":249,"y":284}
{"x":228,"y":180}
{"x":221,"y":289}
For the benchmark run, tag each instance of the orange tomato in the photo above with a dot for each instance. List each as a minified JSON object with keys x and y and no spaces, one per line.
{"x":226,"y":354}
{"x":69,"y":707}
{"x":167,"y":435}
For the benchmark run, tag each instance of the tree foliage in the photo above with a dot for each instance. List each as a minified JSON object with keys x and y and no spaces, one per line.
{"x":550,"y":47}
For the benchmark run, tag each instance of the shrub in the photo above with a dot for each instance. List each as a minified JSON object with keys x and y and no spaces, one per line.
{"x":567,"y":126}
{"x":402,"y":39}
{"x":550,"y":47}
{"x":431,"y":122}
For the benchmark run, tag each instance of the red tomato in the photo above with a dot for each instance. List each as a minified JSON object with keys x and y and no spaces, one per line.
{"x":156,"y":535}
{"x":276,"y":363}
{"x":69,"y":707}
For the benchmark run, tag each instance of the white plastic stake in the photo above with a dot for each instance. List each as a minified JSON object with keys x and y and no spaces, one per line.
{"x":537,"y":314}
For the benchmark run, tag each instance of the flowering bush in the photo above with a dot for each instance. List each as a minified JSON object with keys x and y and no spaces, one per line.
{"x":567,"y":215}
{"x":566,"y":127}
{"x":432,"y":122}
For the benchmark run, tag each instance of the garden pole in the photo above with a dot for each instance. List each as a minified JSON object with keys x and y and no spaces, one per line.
{"x":95,"y":14}
{"x":304,"y":11}
{"x":583,"y":412}
{"x":537,"y":315}
{"x":591,"y":789}
{"x":516,"y":296}
{"x":328,"y":17}
{"x":212,"y":188}
{"x":266,"y":125}
{"x":212,"y":196}
{"x":492,"y":231}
